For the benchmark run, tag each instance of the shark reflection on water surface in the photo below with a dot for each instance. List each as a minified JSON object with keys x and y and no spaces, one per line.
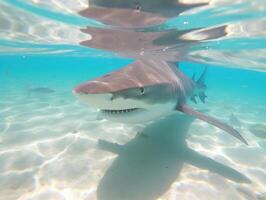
{"x":131,"y":29}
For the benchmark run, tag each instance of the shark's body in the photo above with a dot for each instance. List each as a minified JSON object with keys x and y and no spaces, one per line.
{"x":146,"y":90}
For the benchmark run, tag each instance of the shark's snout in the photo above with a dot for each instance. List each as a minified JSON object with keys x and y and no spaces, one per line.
{"x":93,"y":87}
{"x":100,"y":95}
{"x":94,"y":93}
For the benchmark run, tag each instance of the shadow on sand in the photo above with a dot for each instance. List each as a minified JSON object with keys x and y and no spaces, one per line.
{"x":147,"y":166}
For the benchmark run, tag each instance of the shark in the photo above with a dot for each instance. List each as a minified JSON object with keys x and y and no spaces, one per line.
{"x":146,"y":90}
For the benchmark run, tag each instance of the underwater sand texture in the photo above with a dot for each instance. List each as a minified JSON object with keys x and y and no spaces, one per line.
{"x":49,"y":150}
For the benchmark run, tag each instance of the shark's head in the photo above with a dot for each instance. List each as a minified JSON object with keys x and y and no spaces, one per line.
{"x":135,"y":94}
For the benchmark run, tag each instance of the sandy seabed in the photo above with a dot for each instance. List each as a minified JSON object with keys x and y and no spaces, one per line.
{"x":50,"y":150}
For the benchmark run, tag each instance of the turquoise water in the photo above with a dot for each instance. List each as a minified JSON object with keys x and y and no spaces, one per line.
{"x":49,"y":141}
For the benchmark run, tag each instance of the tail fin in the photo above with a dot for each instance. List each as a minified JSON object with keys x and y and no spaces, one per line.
{"x":211,"y":120}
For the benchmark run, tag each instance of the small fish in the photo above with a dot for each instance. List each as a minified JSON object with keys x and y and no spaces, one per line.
{"x":41,"y":90}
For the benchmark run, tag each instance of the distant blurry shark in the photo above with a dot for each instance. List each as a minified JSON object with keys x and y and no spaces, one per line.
{"x":41,"y":90}
{"x":147,"y":90}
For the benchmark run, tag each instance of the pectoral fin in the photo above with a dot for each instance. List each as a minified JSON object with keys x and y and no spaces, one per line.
{"x":190,"y":111}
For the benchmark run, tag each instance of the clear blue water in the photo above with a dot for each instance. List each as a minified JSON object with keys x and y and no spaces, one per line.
{"x":49,"y":140}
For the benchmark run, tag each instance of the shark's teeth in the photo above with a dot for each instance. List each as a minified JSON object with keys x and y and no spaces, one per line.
{"x":120,"y":111}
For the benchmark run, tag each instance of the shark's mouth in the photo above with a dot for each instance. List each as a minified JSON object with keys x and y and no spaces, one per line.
{"x":121,"y":111}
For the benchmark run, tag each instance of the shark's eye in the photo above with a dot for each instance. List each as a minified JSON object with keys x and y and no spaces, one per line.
{"x":142,"y":90}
